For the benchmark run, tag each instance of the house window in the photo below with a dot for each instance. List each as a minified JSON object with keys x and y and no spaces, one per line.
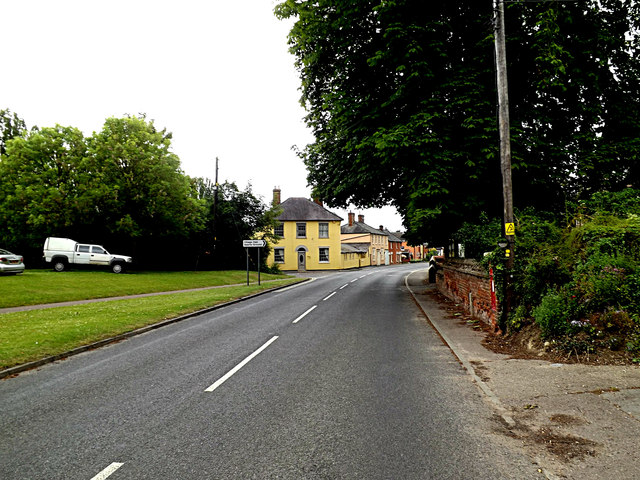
{"x":278,"y":255}
{"x":323,"y":230}
{"x":301,"y":230}
{"x":323,"y":255}
{"x":279,"y":230}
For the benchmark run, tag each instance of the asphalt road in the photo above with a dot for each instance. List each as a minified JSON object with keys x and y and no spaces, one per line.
{"x":339,"y":378}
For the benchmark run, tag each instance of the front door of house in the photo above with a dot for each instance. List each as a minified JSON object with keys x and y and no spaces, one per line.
{"x":302,"y":261}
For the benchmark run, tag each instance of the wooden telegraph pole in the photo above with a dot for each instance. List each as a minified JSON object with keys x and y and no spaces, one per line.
{"x":215,"y":209}
{"x":505,"y":149}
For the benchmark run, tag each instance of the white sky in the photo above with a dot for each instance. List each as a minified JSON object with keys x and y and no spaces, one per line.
{"x":217,"y":74}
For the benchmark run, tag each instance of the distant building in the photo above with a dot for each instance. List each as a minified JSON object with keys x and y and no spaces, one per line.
{"x":377,"y":241}
{"x":395,"y":246}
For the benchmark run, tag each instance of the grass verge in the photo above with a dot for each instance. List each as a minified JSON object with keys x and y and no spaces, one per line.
{"x":34,"y":287}
{"x":36,"y":334}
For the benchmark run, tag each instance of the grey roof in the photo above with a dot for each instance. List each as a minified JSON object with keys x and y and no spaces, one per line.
{"x":360,"y":227}
{"x":354,"y":247}
{"x":400,"y":235}
{"x":299,"y":209}
{"x":393,"y":237}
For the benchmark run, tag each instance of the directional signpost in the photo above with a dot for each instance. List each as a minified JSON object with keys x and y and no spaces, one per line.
{"x":253,"y":244}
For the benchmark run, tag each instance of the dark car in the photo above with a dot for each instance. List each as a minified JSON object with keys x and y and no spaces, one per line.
{"x":10,"y":263}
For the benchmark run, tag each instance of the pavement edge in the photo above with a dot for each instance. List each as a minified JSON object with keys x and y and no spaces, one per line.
{"x":464,"y":361}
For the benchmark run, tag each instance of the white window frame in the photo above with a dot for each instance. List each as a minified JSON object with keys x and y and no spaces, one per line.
{"x":323,"y":233}
{"x":279,"y":228}
{"x":275,"y":255}
{"x":300,"y":225}
{"x":320,"y":260}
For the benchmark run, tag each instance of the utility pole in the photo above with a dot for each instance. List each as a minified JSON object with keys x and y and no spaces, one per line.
{"x":505,"y":149}
{"x":215,"y":208}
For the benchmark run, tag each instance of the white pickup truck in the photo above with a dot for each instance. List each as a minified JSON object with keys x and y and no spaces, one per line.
{"x":62,"y":252}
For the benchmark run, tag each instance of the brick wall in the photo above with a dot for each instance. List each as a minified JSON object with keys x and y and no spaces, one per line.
{"x":466,"y":283}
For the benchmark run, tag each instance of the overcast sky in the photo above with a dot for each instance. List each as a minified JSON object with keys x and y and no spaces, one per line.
{"x":217,"y":74}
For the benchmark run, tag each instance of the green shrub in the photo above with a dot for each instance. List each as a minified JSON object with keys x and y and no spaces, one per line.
{"x":543,"y":270}
{"x":517,"y":319}
{"x":600,"y":281}
{"x":622,"y":203}
{"x":479,"y":237}
{"x":630,"y":293}
{"x":274,"y":269}
{"x":553,"y":314}
{"x":580,"y":283}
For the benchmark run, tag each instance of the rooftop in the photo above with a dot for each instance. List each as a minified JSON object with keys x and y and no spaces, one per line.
{"x":298,"y":208}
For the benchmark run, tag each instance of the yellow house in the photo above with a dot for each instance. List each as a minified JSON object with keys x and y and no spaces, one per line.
{"x":376,"y":241}
{"x":355,"y":255}
{"x":309,"y":236}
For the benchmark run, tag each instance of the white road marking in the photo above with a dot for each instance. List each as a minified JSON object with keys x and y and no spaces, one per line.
{"x":329,"y":296}
{"x":107,"y":471}
{"x":305,"y":314}
{"x":343,"y":286}
{"x":296,"y":285}
{"x":354,"y":280}
{"x":235,"y":369}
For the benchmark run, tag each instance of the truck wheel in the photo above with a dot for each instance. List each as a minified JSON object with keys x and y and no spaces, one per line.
{"x":117,"y":268}
{"x":59,"y":266}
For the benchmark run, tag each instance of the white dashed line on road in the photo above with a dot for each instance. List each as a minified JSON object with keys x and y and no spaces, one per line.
{"x":235,"y":369}
{"x":304,"y":314}
{"x":107,"y":471}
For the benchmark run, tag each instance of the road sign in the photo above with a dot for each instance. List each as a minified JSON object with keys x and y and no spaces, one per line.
{"x":509,"y":229}
{"x":254,"y":243}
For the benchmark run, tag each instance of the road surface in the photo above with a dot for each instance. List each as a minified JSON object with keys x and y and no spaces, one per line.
{"x":338,"y":378}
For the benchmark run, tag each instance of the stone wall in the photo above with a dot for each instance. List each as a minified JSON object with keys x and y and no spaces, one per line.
{"x":466,"y":283}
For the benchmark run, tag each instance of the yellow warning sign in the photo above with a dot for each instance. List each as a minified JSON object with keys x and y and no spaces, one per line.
{"x":509,"y":228}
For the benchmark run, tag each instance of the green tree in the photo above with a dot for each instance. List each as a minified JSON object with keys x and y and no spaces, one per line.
{"x":10,"y":126}
{"x":41,"y":192}
{"x":239,"y":215}
{"x":122,"y":187}
{"x":139,"y":191}
{"x":401,"y":95}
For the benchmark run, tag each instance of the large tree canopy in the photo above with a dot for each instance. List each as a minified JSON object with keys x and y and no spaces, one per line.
{"x":401,"y":99}
{"x":121,"y":187}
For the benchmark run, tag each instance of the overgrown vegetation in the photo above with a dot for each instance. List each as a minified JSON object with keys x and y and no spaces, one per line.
{"x":576,"y":276}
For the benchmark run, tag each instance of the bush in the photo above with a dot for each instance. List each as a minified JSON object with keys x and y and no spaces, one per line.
{"x":622,"y":203}
{"x":274,"y":269}
{"x":553,"y":315}
{"x":580,"y":283}
{"x":479,"y":237}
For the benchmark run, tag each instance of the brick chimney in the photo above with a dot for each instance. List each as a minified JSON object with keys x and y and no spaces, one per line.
{"x":276,"y":196}
{"x":352,"y":218}
{"x":361,"y":218}
{"x":381,"y":228}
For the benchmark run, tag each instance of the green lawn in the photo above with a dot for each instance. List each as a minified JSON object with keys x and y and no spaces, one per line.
{"x":45,"y":286}
{"x":35,"y":334}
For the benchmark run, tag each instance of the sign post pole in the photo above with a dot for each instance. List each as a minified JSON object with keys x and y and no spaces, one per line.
{"x":247,"y":244}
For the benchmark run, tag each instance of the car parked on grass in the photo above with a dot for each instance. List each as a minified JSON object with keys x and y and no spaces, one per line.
{"x":64,"y":252}
{"x":10,"y":262}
